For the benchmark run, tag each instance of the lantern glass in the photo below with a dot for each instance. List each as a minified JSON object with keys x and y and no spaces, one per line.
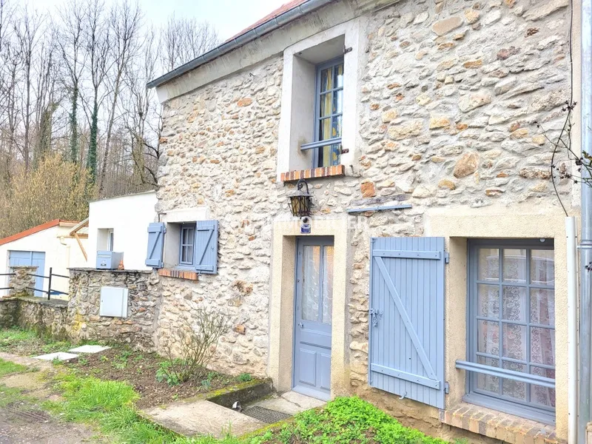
{"x":300,"y":200}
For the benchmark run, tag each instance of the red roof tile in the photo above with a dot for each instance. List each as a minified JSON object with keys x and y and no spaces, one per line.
{"x":279,"y":11}
{"x":37,"y":229}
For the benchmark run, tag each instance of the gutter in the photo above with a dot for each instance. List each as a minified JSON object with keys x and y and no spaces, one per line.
{"x":247,"y":37}
{"x":585,"y":351}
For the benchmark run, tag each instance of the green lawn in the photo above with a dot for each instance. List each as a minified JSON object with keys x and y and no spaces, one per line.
{"x":110,"y":404}
{"x":7,"y":368}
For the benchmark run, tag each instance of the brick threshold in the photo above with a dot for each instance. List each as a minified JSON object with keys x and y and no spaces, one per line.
{"x":314,"y":173}
{"x":178,"y":274}
{"x":499,"y":425}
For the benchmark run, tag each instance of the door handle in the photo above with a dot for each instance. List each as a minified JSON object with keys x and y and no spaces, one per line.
{"x":301,"y":324}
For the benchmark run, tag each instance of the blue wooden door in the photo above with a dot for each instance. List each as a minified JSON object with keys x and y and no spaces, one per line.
{"x":28,"y":259}
{"x":407,"y":318}
{"x":313,"y":314}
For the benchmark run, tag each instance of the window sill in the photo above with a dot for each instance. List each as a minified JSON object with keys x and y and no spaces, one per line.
{"x":178,"y":274}
{"x":314,"y":173}
{"x":498,"y":425}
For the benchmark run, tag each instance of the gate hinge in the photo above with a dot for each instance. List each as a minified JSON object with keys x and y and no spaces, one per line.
{"x":446,"y":257}
{"x":346,"y":50}
{"x":375,"y":315}
{"x":446,"y":387}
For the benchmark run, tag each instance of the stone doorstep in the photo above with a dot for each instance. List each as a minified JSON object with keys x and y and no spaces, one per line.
{"x":60,"y":356}
{"x":92,"y":349}
{"x":203,"y":418}
{"x":499,"y":425}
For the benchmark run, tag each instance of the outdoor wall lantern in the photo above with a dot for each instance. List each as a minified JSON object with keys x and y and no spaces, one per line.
{"x":300,"y":200}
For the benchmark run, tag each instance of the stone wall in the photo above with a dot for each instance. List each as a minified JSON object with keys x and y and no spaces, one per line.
{"x":452,"y":97}
{"x":220,"y":151}
{"x":144,"y":301}
{"x":8,"y":311}
{"x":23,"y":281}
{"x":37,"y":314}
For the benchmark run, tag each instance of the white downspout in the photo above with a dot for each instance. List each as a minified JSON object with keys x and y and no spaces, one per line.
{"x":572,"y":326}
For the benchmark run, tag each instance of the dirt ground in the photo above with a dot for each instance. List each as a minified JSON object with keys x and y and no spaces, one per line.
{"x":139,"y":370}
{"x":23,"y":421}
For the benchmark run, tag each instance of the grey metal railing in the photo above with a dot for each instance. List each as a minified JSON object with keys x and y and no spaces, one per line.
{"x":504,"y":373}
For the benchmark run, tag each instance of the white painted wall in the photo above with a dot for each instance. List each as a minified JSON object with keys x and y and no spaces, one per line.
{"x":61,"y":253}
{"x":129,"y":217}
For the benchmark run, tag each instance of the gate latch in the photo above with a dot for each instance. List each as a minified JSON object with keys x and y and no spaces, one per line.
{"x":375,"y":315}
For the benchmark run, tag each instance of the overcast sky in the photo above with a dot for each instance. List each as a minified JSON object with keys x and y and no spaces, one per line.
{"x":228,"y":16}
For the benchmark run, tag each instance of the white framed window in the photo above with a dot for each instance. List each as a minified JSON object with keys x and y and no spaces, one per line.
{"x":316,"y":108}
{"x":105,"y":239}
{"x":187,"y":242}
{"x":512,"y":326}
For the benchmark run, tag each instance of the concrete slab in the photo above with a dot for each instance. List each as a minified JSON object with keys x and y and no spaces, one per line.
{"x":290,"y":403}
{"x":92,"y":349}
{"x":60,"y":356}
{"x":203,"y":418}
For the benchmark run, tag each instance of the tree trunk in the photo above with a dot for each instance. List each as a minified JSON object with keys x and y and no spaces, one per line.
{"x":74,"y":126}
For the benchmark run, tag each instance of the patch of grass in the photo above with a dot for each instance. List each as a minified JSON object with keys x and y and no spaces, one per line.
{"x":12,"y":335}
{"x":345,"y":420}
{"x":7,"y":367}
{"x":9,"y":395}
{"x":244,"y":377}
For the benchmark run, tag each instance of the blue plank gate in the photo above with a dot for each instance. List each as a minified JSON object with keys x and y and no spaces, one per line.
{"x":29,"y":259}
{"x":406,"y":351}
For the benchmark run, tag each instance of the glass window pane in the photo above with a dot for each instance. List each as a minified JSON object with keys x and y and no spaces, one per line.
{"x":338,"y":102}
{"x":328,"y":286}
{"x":330,"y":155}
{"x":542,"y":267}
{"x":311,"y":259}
{"x":488,"y":382}
{"x":514,"y":389}
{"x":488,"y":337}
{"x":338,"y":75}
{"x":514,"y":341}
{"x":488,"y":264}
{"x":326,"y":79}
{"x":542,"y":395}
{"x":325,"y":129}
{"x":488,"y":303}
{"x":542,"y":345}
{"x":336,"y":127}
{"x":514,"y":307}
{"x":542,"y":306}
{"x":514,"y":265}
{"x":190,"y":254}
{"x":325,"y":105}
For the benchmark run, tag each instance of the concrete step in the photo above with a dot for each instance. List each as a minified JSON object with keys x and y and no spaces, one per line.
{"x":203,"y":418}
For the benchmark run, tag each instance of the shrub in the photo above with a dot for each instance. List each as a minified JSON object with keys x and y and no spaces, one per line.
{"x":197,"y":345}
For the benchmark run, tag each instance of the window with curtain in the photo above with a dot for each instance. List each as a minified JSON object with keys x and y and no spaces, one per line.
{"x":187,"y":243}
{"x":329,"y":111}
{"x":512,"y":323}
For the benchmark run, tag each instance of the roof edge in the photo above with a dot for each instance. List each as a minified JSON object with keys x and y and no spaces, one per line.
{"x":264,"y":28}
{"x":50,"y":224}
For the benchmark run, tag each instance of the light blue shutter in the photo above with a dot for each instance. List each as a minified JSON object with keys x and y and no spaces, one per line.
{"x":156,"y":233}
{"x":206,"y":246}
{"x":407,"y":318}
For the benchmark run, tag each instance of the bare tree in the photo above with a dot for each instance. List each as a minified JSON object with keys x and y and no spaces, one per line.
{"x":71,"y":41}
{"x":184,"y":39}
{"x":125,"y":26}
{"x":26,"y":31}
{"x":96,"y":46}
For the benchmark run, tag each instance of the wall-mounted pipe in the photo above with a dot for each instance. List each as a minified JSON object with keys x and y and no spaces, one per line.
{"x":572,"y":325}
{"x":585,"y":320}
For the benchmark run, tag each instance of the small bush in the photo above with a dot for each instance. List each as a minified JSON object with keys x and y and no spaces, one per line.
{"x":197,"y":345}
{"x":244,"y":377}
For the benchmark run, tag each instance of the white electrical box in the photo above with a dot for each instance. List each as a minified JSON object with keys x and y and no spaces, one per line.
{"x":114,"y":302}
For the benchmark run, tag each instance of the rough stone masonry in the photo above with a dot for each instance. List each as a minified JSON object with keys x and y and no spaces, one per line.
{"x":453,"y":93}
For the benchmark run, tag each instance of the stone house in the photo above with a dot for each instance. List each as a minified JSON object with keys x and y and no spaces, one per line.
{"x":433,"y":280}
